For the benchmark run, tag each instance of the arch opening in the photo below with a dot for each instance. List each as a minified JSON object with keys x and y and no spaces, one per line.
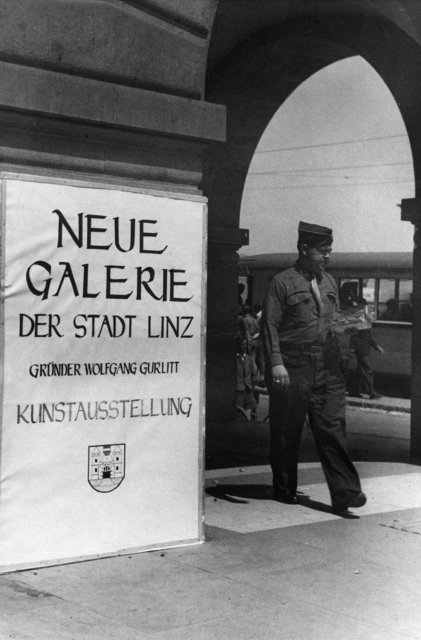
{"x":335,"y":152}
{"x":255,"y":81}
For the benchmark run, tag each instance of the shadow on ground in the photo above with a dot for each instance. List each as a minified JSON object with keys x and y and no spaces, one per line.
{"x":243,"y":493}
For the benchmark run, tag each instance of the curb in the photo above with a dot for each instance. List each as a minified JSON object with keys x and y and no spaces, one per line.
{"x":383,"y":406}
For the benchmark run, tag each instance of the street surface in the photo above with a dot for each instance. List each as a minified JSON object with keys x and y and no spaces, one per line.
{"x":372,"y":435}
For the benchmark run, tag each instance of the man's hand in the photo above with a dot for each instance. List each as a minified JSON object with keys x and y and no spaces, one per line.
{"x":280,"y":377}
{"x":380,"y":349}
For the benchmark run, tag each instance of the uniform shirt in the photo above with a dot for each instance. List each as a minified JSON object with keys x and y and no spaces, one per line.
{"x":290,"y":313}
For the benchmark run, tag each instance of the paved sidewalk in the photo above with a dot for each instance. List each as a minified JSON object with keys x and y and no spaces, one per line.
{"x":267,"y":571}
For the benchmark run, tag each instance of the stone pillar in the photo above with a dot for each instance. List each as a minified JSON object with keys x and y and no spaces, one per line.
{"x":411,"y":212}
{"x":221,"y":373}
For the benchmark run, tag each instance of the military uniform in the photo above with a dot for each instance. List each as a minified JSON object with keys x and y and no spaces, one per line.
{"x":297,"y":331}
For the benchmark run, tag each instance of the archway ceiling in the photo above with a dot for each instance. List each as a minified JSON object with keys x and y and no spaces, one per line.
{"x":236,"y":20}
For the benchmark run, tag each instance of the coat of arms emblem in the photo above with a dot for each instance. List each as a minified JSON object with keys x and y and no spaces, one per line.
{"x":106,"y":466}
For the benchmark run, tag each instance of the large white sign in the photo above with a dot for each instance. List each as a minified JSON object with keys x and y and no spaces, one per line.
{"x":102,"y":407}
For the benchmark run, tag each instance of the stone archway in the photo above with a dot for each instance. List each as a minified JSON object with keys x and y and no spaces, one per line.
{"x":253,"y":82}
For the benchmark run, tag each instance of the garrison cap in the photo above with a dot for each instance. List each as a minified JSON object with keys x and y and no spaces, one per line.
{"x":314,"y":234}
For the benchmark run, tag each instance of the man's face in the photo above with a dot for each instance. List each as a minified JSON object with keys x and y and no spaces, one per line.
{"x":317,"y":257}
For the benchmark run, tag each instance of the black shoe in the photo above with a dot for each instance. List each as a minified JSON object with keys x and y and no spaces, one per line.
{"x":341,"y":508}
{"x":285,"y":497}
{"x":375,"y":396}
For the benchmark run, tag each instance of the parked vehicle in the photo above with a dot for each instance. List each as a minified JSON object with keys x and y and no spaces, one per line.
{"x":384,"y":280}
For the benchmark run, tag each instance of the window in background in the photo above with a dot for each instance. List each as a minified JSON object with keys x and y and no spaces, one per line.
{"x":388,"y":307}
{"x":405,"y":300}
{"x":368,"y":293}
{"x":348,"y":291}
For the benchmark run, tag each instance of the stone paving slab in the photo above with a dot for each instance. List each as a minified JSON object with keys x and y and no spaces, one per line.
{"x":64,"y":621}
{"x":288,"y":621}
{"x":149,"y":593}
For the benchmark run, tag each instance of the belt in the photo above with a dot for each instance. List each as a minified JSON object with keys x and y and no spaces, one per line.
{"x":314,"y":347}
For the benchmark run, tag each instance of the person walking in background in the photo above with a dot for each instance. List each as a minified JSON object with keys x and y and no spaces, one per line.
{"x":360,"y":343}
{"x":246,"y":374}
{"x":251,"y":323}
{"x":304,"y":374}
{"x":252,"y":327}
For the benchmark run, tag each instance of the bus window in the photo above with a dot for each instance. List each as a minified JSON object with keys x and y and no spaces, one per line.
{"x":388,"y":306}
{"x":348,"y":291}
{"x":405,"y":300}
{"x":369,"y":285}
{"x":369,"y":293}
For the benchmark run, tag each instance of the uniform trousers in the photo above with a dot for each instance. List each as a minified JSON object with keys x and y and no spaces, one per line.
{"x":365,"y":379}
{"x":317,"y":389}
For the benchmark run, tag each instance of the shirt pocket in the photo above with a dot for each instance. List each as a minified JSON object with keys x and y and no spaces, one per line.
{"x":300,"y":308}
{"x":330,"y":299}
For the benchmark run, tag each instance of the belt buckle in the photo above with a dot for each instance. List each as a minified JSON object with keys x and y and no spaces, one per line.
{"x":316,"y":348}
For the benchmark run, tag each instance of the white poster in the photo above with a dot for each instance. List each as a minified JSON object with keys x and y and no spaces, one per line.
{"x":102,"y":405}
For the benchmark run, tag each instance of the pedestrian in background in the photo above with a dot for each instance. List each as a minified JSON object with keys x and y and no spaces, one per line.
{"x":361,"y":342}
{"x":246,"y":375}
{"x":304,"y":374}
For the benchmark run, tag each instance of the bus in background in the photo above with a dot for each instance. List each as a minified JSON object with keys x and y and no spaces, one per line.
{"x":384,"y":280}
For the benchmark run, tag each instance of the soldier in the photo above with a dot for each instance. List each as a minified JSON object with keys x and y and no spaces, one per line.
{"x":304,"y":373}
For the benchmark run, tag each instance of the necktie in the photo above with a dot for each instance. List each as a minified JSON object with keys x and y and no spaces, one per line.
{"x":316,"y":294}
